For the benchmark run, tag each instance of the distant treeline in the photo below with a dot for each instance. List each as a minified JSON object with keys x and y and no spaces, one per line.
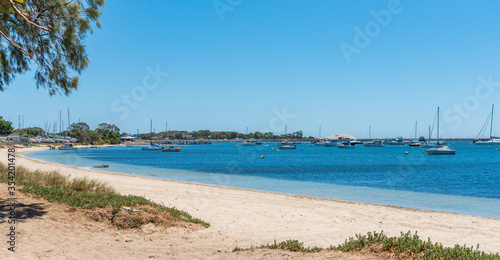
{"x":221,"y":135}
{"x":110,"y":134}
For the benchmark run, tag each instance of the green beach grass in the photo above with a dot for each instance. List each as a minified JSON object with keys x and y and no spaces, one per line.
{"x":100,"y":199}
{"x":406,"y":246}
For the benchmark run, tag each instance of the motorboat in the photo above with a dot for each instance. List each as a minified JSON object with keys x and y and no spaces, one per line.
{"x":356,"y":141}
{"x":429,"y":145}
{"x":397,"y":141}
{"x":67,"y":147}
{"x":249,"y":143}
{"x":374,"y":143}
{"x":441,"y":150}
{"x":287,"y":146}
{"x":346,"y":145}
{"x":319,"y":142}
{"x":170,"y":149}
{"x":415,"y":144}
{"x":152,"y":147}
{"x":331,"y":144}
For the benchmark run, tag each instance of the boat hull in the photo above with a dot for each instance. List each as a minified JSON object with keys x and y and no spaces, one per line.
{"x":487,"y":143}
{"x":287,"y":147}
{"x":373,"y":145}
{"x":174,"y":150}
{"x":151,"y":148}
{"x":346,"y":146}
{"x":440,"y":151}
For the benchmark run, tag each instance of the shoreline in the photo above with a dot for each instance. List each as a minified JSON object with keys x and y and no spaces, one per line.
{"x":244,"y":218}
{"x":457,"y":204}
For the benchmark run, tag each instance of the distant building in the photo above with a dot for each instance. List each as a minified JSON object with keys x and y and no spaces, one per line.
{"x":16,"y":138}
{"x":340,"y":137}
{"x":129,"y":138}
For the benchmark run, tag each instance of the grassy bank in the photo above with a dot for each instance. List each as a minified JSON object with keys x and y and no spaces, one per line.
{"x":406,"y":246}
{"x":99,"y":200}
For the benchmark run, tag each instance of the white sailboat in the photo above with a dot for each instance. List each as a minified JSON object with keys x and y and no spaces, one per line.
{"x":429,"y":144}
{"x":440,"y":149}
{"x":373,"y":143}
{"x":487,"y":141}
{"x":415,"y":143}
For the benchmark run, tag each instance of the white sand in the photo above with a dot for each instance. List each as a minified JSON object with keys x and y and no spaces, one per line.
{"x":244,"y":218}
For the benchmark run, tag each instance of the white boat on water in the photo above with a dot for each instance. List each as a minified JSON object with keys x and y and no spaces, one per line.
{"x":319,"y":142}
{"x":152,"y":147}
{"x":374,"y":143}
{"x":440,"y":149}
{"x":248,"y":143}
{"x":397,"y":141}
{"x":429,"y":145}
{"x":170,"y":149}
{"x":487,"y":141}
{"x":287,"y":146}
{"x":331,"y":144}
{"x":67,"y":147}
{"x":347,"y":145}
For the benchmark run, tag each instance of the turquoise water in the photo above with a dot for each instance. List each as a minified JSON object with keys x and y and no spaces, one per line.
{"x":468,"y":182}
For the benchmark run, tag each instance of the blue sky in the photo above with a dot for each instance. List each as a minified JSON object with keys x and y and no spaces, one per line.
{"x":262,"y":65}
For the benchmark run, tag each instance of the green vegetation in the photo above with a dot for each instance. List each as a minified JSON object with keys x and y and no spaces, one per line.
{"x":409,"y":245}
{"x":5,"y":127}
{"x":406,"y":246}
{"x":48,"y":34}
{"x":103,"y":134}
{"x":222,"y":135}
{"x":94,"y":195}
{"x":290,"y":245}
{"x":30,"y":132}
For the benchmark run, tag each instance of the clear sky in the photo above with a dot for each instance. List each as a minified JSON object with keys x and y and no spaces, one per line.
{"x":233,"y":64}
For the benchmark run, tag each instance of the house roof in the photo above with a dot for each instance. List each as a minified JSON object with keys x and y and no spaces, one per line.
{"x":340,"y":136}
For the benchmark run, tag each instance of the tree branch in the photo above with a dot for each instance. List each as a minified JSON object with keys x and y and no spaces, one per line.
{"x":20,"y":13}
{"x":16,"y":45}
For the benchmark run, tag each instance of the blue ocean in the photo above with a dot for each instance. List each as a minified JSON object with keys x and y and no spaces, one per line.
{"x":467,"y":183}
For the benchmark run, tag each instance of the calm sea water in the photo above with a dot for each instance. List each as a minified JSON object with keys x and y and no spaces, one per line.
{"x":468,"y":182}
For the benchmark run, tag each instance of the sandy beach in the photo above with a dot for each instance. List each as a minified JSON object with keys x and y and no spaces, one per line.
{"x":238,"y":217}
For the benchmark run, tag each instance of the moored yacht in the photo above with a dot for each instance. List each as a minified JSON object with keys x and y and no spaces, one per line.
{"x":487,"y":141}
{"x":67,"y":147}
{"x":441,"y":149}
{"x":374,"y":143}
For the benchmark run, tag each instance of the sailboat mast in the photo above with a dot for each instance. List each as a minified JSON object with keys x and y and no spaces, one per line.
{"x":438,"y":128}
{"x":491,"y":125}
{"x":370,"y":132}
{"x":415,"y":129}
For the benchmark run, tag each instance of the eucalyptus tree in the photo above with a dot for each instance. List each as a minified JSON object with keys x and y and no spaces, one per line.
{"x":47,"y":35}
